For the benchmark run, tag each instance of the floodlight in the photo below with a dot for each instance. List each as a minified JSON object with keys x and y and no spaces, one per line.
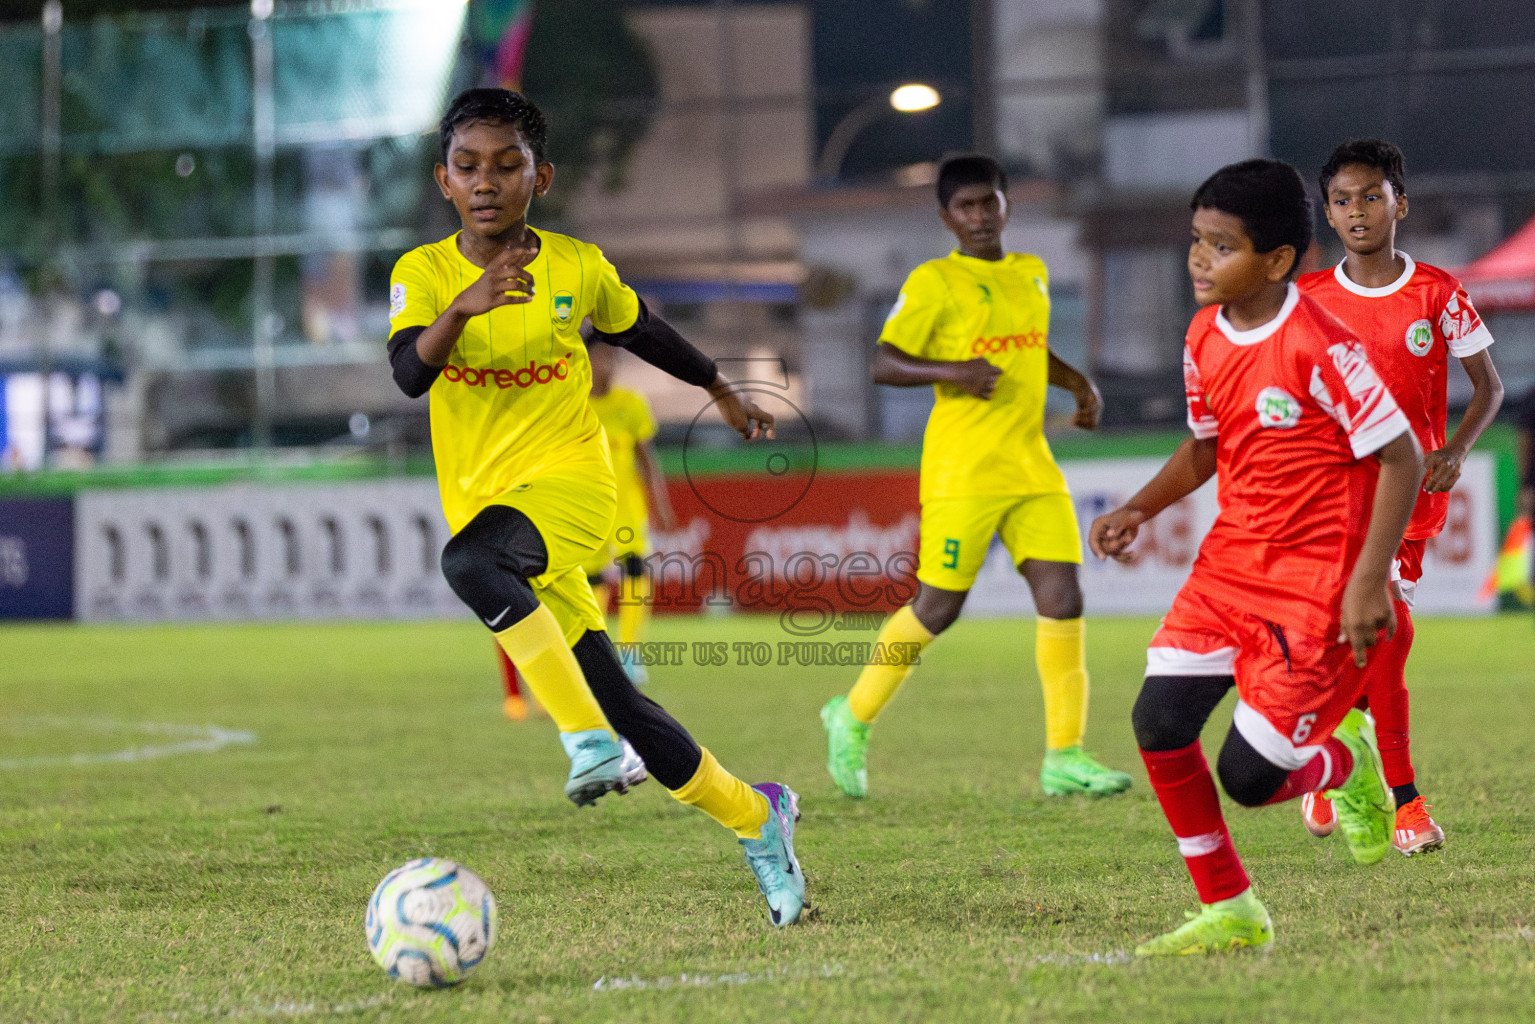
{"x":909,"y":99}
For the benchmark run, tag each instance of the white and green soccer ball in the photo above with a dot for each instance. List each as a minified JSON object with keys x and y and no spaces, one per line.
{"x":431,"y":922}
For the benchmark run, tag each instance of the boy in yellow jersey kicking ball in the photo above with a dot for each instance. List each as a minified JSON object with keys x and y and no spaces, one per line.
{"x":973,"y":325}
{"x":630,"y":425}
{"x":487,"y":322}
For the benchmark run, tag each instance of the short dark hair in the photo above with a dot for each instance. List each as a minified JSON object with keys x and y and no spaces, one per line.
{"x":968,"y":169}
{"x":1270,"y":199}
{"x":495,"y":105}
{"x":1377,"y":153}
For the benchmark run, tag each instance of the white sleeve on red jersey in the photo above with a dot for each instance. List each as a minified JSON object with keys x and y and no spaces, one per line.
{"x":1201,"y":420}
{"x":1463,"y":331}
{"x":1351,"y":392}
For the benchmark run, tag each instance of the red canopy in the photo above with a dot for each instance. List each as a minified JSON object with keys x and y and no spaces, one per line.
{"x":1505,"y":277}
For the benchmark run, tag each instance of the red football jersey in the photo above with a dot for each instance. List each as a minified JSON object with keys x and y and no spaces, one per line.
{"x":1295,"y":408}
{"x":1410,"y":328}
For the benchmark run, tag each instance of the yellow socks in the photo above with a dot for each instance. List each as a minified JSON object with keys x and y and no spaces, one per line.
{"x":633,"y":609}
{"x":537,"y":647}
{"x":878,"y":683}
{"x":725,"y":798}
{"x":1060,"y":652}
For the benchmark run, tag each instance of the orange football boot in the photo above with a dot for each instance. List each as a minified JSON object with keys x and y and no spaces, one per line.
{"x":1415,"y":830}
{"x":1316,"y":811}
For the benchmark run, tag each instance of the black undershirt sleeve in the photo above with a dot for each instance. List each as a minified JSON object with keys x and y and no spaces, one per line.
{"x":658,"y":343}
{"x":412,"y":375}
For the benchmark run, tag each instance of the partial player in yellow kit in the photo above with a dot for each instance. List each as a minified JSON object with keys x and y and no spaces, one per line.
{"x":974,"y":326}
{"x":487,"y":323}
{"x":626,"y":418}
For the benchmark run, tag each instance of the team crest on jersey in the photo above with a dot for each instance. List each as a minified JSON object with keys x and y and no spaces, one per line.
{"x":564,"y":307}
{"x":1277,"y":408}
{"x":396,"y":300}
{"x":1420,"y":337}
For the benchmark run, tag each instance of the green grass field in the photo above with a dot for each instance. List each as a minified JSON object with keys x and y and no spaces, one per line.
{"x":229,"y":883}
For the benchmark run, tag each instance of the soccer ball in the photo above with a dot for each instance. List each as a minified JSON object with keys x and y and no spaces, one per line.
{"x":430,"y":922}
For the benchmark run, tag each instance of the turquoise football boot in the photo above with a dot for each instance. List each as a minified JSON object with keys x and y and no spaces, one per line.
{"x":596,"y":765}
{"x":771,"y":857}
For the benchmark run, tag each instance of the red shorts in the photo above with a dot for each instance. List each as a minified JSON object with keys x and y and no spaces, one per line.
{"x":1407,"y":569}
{"x":1295,"y":687}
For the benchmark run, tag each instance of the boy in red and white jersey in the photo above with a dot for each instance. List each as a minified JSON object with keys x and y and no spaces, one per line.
{"x":1318,"y":469}
{"x":1411,"y":318}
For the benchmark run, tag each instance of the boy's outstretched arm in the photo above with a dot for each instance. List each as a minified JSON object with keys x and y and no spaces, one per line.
{"x":897,"y":369}
{"x":1443,"y":466}
{"x":1089,"y":402}
{"x":658,"y":343}
{"x":1367,"y":598}
{"x":1185,"y":472}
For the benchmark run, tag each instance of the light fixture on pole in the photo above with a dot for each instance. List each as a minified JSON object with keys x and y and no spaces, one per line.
{"x":911,"y":98}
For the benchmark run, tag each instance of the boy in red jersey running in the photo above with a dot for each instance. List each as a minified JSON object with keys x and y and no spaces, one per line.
{"x":1290,"y":588}
{"x":1411,"y":318}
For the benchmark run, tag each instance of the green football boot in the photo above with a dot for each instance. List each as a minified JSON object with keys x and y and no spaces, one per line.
{"x":1238,"y":923}
{"x":1365,"y":805}
{"x":1071,"y":771}
{"x":847,"y":748}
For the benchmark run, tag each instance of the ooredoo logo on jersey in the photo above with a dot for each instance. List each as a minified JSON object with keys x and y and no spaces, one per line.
{"x":522,"y":377}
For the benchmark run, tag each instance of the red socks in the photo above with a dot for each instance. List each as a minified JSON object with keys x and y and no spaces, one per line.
{"x":1329,"y":769}
{"x":508,"y":674}
{"x":1385,"y":687}
{"x":1183,"y":784}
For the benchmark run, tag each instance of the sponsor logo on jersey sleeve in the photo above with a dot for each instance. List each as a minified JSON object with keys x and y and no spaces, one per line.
{"x":900,"y":300}
{"x":564,"y":307}
{"x":1277,"y":408}
{"x":396,"y":300}
{"x":1420,"y":337}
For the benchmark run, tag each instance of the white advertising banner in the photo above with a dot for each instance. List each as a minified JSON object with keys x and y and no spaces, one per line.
{"x":1453,"y":567}
{"x":367,"y":549}
{"x":372,"y":549}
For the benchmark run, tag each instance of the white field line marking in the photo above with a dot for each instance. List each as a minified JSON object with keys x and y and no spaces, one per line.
{"x":686,"y":980}
{"x":196,"y":739}
{"x":279,"y":1009}
{"x":1118,"y":956}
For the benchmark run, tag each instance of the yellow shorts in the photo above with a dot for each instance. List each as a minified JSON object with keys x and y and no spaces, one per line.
{"x":573,"y":513}
{"x":956,"y":533}
{"x":630,"y":536}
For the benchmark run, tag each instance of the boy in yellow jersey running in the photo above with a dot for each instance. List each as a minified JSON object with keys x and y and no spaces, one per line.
{"x":487,"y":322}
{"x":973,"y":325}
{"x":630,"y":425}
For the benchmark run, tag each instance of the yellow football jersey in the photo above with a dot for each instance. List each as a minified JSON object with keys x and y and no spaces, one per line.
{"x":512,"y":401}
{"x":628,"y":421}
{"x":958,"y":308}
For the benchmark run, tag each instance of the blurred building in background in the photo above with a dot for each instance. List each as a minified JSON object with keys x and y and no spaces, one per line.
{"x":201,"y":205}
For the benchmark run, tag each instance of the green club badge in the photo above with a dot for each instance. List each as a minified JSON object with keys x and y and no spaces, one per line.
{"x":1277,"y":409}
{"x":564,"y":307}
{"x":1420,"y":337}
